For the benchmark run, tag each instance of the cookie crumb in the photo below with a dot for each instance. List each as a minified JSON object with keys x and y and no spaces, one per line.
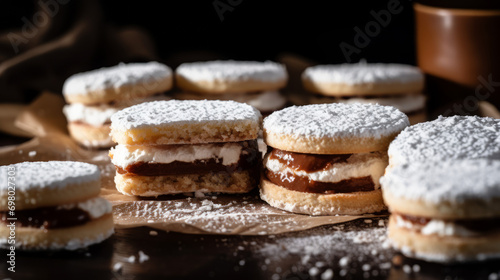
{"x":407,"y":269}
{"x":131,"y":259}
{"x":143,"y":257}
{"x":117,"y":266}
{"x":313,"y":271}
{"x":327,"y":275}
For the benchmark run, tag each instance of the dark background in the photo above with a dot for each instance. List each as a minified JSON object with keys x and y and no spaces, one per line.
{"x":254,"y":30}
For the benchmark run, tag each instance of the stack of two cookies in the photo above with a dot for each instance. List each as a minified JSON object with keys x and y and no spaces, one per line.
{"x":96,"y":95}
{"x":327,"y":159}
{"x":169,"y":147}
{"x":251,"y":82}
{"x":442,"y":187}
{"x":395,"y":85}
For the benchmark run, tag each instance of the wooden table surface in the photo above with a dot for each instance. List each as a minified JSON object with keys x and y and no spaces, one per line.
{"x":297,"y":255}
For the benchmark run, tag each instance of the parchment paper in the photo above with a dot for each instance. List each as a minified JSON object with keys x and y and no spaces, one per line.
{"x":214,"y":214}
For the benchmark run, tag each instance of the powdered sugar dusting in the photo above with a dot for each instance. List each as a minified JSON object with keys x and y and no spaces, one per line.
{"x":48,"y":174}
{"x":457,"y":137}
{"x":445,"y":181}
{"x":181,"y":112}
{"x":231,"y":70}
{"x":116,"y":76}
{"x":361,"y":73}
{"x":337,"y":121}
{"x":222,"y":214}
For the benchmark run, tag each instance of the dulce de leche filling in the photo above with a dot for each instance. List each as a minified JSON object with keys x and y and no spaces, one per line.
{"x":48,"y":217}
{"x":248,"y":160}
{"x":314,"y":163}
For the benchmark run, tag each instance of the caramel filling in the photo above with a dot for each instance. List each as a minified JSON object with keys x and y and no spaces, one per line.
{"x":249,"y":160}
{"x":307,"y":162}
{"x":303,"y":184}
{"x":314,"y":163}
{"x":48,"y":217}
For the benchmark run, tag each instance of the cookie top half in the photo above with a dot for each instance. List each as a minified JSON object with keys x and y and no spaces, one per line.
{"x":446,"y":138}
{"x":334,"y":128}
{"x":230,"y":76}
{"x":48,"y":183}
{"x":363,"y":79}
{"x":120,"y":82}
{"x":450,"y":189}
{"x":185,"y":122}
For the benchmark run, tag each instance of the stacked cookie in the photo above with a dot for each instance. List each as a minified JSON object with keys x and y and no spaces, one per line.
{"x":56,"y":206}
{"x":251,"y":82}
{"x":96,"y":95}
{"x":327,"y":159}
{"x":169,"y":147}
{"x":445,"y":211}
{"x":442,"y":187}
{"x":385,"y":84}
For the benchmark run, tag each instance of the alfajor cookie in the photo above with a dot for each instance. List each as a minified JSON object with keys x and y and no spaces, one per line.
{"x":252,"y":82}
{"x":447,"y":138}
{"x":395,"y":85}
{"x":52,"y":205}
{"x":96,"y":95}
{"x":445,"y":211}
{"x":169,"y":147}
{"x":326,"y":159}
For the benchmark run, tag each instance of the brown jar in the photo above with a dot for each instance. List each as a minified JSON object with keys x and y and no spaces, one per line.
{"x":459,"y":51}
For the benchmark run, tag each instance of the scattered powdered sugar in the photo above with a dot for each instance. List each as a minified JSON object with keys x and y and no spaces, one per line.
{"x":47,"y":174}
{"x":317,"y":251}
{"x":116,"y":76}
{"x":457,"y":137}
{"x":337,"y":121}
{"x":445,"y":181}
{"x":224,"y":214}
{"x":183,"y":112}
{"x":231,"y":70}
{"x":362,"y":73}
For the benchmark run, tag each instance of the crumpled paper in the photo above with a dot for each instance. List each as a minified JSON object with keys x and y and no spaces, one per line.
{"x":242,"y":214}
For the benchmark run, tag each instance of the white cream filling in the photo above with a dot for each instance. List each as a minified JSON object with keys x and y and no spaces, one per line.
{"x":125,"y":155}
{"x":93,"y":115}
{"x":406,"y":103}
{"x":98,"y":115}
{"x":96,"y":207}
{"x":357,"y":165}
{"x":436,"y":227}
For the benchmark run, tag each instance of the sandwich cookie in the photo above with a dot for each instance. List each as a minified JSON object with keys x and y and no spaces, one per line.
{"x":169,"y":147}
{"x":395,"y":85}
{"x":445,"y":211}
{"x":56,"y":205}
{"x":251,"y":82}
{"x":327,"y":159}
{"x":96,"y":95}
{"x":447,"y":138}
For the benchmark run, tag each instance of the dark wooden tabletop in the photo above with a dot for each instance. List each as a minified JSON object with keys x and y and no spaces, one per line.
{"x":354,"y":250}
